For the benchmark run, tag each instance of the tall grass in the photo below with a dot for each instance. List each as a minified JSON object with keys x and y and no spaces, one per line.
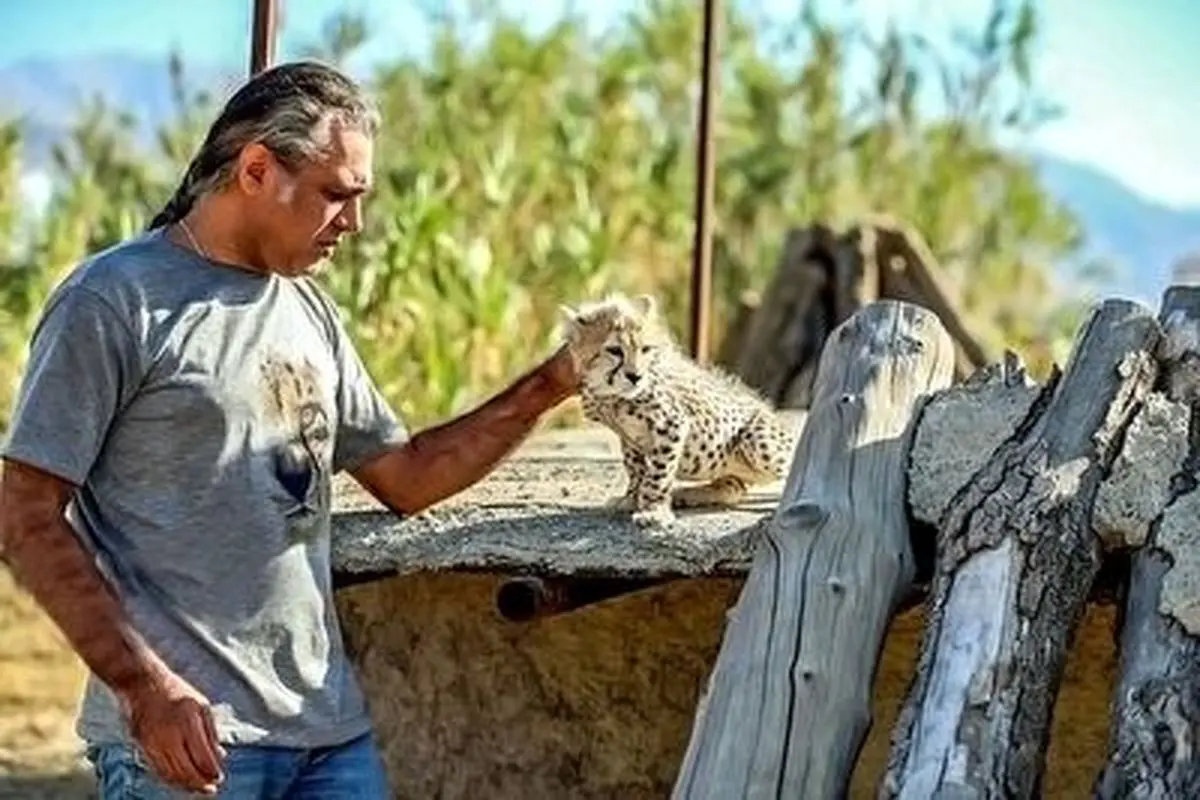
{"x":528,"y":170}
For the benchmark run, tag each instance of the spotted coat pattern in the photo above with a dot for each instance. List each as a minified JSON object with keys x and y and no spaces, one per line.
{"x":676,"y":419}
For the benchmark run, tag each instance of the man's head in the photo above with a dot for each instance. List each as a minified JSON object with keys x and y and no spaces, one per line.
{"x":289,"y":158}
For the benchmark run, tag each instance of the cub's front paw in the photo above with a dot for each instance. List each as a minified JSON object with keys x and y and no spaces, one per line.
{"x":654,"y":517}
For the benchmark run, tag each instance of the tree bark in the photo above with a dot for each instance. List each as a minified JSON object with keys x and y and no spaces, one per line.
{"x":784,"y":336}
{"x":1154,"y":742}
{"x":788,"y":702}
{"x":1017,"y":557}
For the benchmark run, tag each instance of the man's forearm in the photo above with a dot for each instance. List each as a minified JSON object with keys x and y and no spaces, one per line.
{"x":443,"y":460}
{"x":47,"y":560}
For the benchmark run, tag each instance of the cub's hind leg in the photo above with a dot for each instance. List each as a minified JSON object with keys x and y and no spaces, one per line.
{"x":764,"y":450}
{"x":728,"y":490}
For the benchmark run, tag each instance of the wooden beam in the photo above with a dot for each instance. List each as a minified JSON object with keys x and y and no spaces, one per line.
{"x":780,"y":344}
{"x":788,"y":703}
{"x":529,"y":597}
{"x":1017,"y":557}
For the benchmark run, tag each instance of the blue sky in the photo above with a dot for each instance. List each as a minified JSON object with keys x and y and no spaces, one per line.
{"x":1122,"y":69}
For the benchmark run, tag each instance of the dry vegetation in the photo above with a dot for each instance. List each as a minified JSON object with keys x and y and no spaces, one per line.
{"x":40,"y":681}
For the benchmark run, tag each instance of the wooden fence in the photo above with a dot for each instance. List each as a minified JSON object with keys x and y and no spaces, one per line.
{"x":1031,"y":488}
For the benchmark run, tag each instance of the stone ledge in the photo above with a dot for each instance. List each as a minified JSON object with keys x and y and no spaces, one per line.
{"x":540,"y":512}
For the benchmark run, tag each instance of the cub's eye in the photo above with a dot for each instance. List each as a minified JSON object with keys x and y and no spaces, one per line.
{"x":646,"y":348}
{"x":613,"y":350}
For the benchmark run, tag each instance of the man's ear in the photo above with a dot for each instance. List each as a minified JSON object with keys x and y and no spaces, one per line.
{"x":254,"y":163}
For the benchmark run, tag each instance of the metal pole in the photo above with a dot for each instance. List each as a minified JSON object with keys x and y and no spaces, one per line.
{"x":702,"y":244}
{"x":262,"y":38}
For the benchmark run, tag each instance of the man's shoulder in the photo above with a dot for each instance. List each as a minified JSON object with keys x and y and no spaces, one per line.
{"x":320,"y":302}
{"x":121,"y":272}
{"x":314,"y":292}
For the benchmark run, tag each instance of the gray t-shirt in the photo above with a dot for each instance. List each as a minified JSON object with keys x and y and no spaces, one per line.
{"x":202,"y":410}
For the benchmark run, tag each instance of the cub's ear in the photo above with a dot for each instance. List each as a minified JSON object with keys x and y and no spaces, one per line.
{"x":645,"y":304}
{"x":569,"y":322}
{"x":568,"y":315}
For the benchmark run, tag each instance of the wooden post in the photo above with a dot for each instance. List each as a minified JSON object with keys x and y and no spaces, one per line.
{"x":1154,"y":741}
{"x":908,"y":270}
{"x":1017,"y":556}
{"x":788,"y":702}
{"x":262,"y":36}
{"x":701,"y":289}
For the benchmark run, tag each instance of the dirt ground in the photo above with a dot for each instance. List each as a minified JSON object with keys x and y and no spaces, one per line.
{"x":40,"y":681}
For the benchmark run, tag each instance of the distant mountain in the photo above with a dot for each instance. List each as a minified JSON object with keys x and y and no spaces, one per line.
{"x":1142,"y":236}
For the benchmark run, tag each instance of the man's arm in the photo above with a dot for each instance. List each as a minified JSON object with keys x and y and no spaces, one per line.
{"x":443,"y":460}
{"x":84,"y":366}
{"x":48,"y":561}
{"x":167,"y":716}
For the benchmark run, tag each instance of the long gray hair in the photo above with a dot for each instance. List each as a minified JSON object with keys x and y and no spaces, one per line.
{"x":288,"y":109}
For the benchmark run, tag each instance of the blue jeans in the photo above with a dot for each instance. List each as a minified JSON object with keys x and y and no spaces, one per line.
{"x":351,"y":771}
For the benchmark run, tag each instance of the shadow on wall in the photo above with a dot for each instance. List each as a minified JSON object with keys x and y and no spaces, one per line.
{"x":78,"y":785}
{"x":599,"y":703}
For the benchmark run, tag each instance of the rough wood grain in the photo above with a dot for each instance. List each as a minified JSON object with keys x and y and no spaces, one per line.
{"x":1154,"y":738}
{"x":1017,"y":557}
{"x":788,"y":702}
{"x":912,"y":271}
{"x":908,"y":270}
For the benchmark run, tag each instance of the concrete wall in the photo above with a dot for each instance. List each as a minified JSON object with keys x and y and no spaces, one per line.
{"x":598,"y":703}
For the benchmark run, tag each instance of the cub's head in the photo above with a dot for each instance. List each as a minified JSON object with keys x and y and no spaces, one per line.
{"x":617,"y":344}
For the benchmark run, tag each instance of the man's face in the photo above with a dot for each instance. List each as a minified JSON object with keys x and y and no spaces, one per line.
{"x":299,"y":217}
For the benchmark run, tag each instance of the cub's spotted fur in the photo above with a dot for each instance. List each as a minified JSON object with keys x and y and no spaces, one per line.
{"x":676,"y":419}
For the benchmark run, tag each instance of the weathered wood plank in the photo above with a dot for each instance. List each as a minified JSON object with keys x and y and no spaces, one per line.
{"x":788,"y":701}
{"x":913,"y":272}
{"x":1017,"y":557}
{"x":825,"y":275}
{"x":1154,"y":740}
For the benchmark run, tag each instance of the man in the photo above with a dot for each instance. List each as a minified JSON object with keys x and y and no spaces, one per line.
{"x":166,"y":482}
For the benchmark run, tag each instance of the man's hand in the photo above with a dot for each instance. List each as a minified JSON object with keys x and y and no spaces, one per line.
{"x":442,"y":461}
{"x":170,"y":720}
{"x":172,"y":724}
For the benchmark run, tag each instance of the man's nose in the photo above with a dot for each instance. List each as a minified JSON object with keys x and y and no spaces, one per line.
{"x":351,"y":216}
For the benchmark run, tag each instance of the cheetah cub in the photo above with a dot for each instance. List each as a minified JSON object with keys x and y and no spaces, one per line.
{"x":676,"y":419}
